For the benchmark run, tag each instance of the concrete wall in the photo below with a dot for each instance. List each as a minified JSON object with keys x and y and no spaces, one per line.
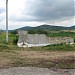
{"x":22,"y":36}
{"x":58,"y":40}
{"x":29,"y":40}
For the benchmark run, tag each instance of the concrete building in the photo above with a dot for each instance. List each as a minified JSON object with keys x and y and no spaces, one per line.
{"x":31,"y":40}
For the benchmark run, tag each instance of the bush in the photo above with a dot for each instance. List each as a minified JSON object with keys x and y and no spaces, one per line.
{"x":59,"y":47}
{"x":38,"y":31}
{"x":15,"y":40}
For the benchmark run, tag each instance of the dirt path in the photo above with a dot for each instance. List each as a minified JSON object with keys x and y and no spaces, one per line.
{"x":46,"y":59}
{"x":35,"y":71}
{"x":45,"y":54}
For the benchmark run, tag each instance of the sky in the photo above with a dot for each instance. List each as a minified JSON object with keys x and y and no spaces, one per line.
{"x":37,"y":12}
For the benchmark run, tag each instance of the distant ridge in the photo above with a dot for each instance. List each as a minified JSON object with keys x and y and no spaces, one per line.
{"x":47,"y":27}
{"x":72,"y":27}
{"x":44,"y":27}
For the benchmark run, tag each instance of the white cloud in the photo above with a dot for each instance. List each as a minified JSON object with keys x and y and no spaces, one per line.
{"x":15,"y":25}
{"x":16,"y":7}
{"x":68,"y":23}
{"x":28,"y":13}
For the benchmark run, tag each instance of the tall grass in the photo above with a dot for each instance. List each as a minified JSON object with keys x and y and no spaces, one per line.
{"x":61,"y":34}
{"x":60,"y":47}
{"x":13,"y":38}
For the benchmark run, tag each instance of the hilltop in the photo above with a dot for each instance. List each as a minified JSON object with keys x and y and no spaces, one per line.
{"x":44,"y":27}
{"x":47,"y":27}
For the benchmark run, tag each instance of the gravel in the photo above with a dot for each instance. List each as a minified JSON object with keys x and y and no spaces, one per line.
{"x":36,"y":71}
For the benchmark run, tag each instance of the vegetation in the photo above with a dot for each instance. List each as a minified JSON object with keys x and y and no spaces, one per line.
{"x":12,"y":38}
{"x":51,"y":56}
{"x":62,"y":34}
{"x":52,"y":33}
{"x":60,"y":47}
{"x":48,"y":27}
{"x":37,"y":32}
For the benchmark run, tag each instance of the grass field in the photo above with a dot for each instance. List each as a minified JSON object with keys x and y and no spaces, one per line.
{"x":12,"y":38}
{"x":51,"y":56}
{"x":62,"y":34}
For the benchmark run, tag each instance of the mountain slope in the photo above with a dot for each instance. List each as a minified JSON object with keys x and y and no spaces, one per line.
{"x":50,"y":27}
{"x":46,"y":27}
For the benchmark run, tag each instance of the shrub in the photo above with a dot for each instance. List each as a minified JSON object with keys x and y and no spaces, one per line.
{"x":15,"y":40}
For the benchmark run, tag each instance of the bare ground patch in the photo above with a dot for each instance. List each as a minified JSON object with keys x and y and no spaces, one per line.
{"x":48,"y":59}
{"x":45,"y":54}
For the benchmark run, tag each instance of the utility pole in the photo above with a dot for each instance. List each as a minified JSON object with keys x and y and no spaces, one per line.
{"x":7,"y":21}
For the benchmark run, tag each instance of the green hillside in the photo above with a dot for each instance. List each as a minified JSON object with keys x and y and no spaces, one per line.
{"x":47,"y":27}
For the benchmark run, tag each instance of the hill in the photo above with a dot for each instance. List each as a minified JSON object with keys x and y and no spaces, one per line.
{"x":47,"y":27}
{"x":72,"y":27}
{"x":50,"y":27}
{"x":43,"y":27}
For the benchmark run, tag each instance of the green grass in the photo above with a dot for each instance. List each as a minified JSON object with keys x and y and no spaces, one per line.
{"x":60,"y":47}
{"x":8,"y":52}
{"x":12,"y":38}
{"x":61,"y":34}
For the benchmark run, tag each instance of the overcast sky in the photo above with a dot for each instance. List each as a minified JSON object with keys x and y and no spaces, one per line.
{"x":37,"y":12}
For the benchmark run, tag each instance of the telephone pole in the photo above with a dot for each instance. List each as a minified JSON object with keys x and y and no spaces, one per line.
{"x":7,"y":21}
